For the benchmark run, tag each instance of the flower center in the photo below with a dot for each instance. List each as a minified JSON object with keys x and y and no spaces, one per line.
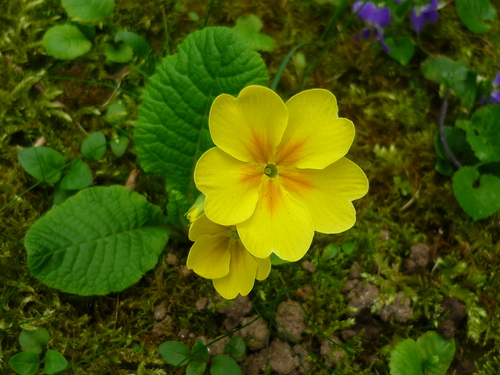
{"x":271,"y":170}
{"x":234,"y":235}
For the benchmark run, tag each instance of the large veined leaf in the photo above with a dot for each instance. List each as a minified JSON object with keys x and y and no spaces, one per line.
{"x":171,"y":131}
{"x":88,"y":10}
{"x":99,"y":241}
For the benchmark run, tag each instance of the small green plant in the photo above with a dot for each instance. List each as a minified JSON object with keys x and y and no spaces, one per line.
{"x":73,"y":39}
{"x":197,"y":358}
{"x":473,"y":144}
{"x":48,"y":165}
{"x":34,"y":344}
{"x":431,"y":354}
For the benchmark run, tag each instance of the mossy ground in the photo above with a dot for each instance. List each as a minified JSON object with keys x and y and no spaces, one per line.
{"x":394,"y":109}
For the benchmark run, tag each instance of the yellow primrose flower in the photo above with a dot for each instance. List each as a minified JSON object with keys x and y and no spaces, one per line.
{"x":218,"y":254}
{"x":278,"y":172}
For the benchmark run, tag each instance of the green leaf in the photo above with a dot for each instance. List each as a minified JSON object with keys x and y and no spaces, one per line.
{"x":54,"y":362}
{"x":60,"y":194}
{"x":455,"y":138}
{"x":140,"y":45}
{"x":483,"y":132}
{"x":119,"y":146}
{"x":177,"y":207}
{"x":34,"y":340}
{"x":454,"y":75}
{"x":277,"y":261}
{"x":200,"y":351}
{"x":490,"y":168}
{"x":348,"y":247}
{"x":102,"y":240}
{"x":402,"y":49}
{"x":79,"y":177}
{"x":94,"y":147}
{"x":196,"y":368}
{"x":116,"y":113}
{"x":236,"y":347}
{"x":249,"y":28}
{"x":171,"y":131}
{"x":475,"y":13}
{"x":174,"y":352}
{"x":444,"y":71}
{"x":65,"y":42}
{"x":225,"y":365}
{"x":25,"y":363}
{"x":478,"y":201}
{"x":87,"y":30}
{"x":122,"y":54}
{"x":407,"y":358}
{"x":330,"y":252}
{"x":444,"y":167}
{"x":439,"y":352}
{"x":43,"y":163}
{"x":88,"y":10}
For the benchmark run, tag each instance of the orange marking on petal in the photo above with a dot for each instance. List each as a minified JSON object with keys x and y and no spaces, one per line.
{"x":289,"y":154}
{"x":296,"y":182}
{"x":259,"y":146}
{"x":271,"y":196}
{"x":251,"y":175}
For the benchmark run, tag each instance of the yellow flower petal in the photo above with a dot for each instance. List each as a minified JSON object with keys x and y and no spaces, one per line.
{"x":315,"y":137}
{"x":241,"y":276}
{"x":231,"y":186}
{"x":203,"y":225}
{"x":280,"y":224}
{"x":327,"y":194}
{"x":209,"y":256}
{"x":264,"y":268}
{"x":251,"y":126}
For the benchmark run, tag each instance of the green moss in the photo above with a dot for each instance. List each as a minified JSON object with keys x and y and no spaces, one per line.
{"x":395,"y":111}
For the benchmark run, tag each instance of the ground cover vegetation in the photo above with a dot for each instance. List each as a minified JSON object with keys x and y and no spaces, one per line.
{"x":106,"y":108}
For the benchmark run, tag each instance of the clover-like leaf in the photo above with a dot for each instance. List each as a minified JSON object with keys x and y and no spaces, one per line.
{"x":119,"y":146}
{"x":88,"y":10}
{"x":236,"y":347}
{"x":225,"y":365}
{"x":171,"y":131}
{"x":34,"y":340}
{"x":94,"y":147}
{"x":102,"y":240}
{"x":65,"y":42}
{"x":249,"y":27}
{"x":25,"y":363}
{"x":174,"y":352}
{"x":54,"y":362}
{"x":196,"y":367}
{"x":406,"y":358}
{"x":140,"y":45}
{"x":454,"y":75}
{"x":478,"y":195}
{"x":200,"y":351}
{"x":401,"y":49}
{"x":79,"y":177}
{"x":121,"y":54}
{"x":439,"y":352}
{"x":483,"y":132}
{"x":475,"y":13}
{"x":43,"y":163}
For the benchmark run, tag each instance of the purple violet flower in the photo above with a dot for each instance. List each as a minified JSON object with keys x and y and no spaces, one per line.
{"x":495,"y":94}
{"x":376,"y":18}
{"x":420,"y":15}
